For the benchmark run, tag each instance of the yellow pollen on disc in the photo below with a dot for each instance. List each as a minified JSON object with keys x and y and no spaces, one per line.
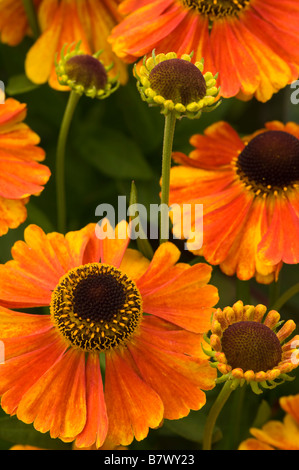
{"x":98,"y":314}
{"x":217,"y":8}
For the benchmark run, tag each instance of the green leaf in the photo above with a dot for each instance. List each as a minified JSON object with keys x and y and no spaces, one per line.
{"x":115,"y":155}
{"x":16,"y":432}
{"x":191,"y":427}
{"x":19,"y":84}
{"x":263,"y":414}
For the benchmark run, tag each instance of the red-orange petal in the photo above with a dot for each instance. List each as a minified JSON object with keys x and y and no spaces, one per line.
{"x":132,"y":405}
{"x":113,"y":243}
{"x":290,"y":404}
{"x":279,"y":244}
{"x":177,"y":378}
{"x":12,"y":213}
{"x":254,"y":444}
{"x":38,"y":264}
{"x":17,"y":324}
{"x":57,"y":401}
{"x":96,"y":427}
{"x":185,"y":300}
{"x":15,"y":381}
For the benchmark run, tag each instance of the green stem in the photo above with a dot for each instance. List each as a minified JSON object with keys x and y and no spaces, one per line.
{"x":60,"y":160}
{"x":236,"y":416}
{"x":243,"y":291}
{"x":285,"y":297}
{"x":214,"y":413}
{"x":274,"y":291}
{"x":170,"y":120}
{"x":142,"y":241}
{"x":32,"y":17}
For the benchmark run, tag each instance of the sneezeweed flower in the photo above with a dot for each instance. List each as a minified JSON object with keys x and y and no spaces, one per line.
{"x":85,"y":74}
{"x":21,"y":174}
{"x":98,"y":290}
{"x":70,"y":21}
{"x":251,"y":43}
{"x":277,"y":435}
{"x":176,"y":85}
{"x":13,"y":21}
{"x":250,"y":195}
{"x":248,"y":346}
{"x":180,"y":89}
{"x":93,"y":447}
{"x":81,"y":74}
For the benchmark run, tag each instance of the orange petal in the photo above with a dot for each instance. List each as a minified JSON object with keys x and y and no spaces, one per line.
{"x":96,"y":426}
{"x":167,"y":336}
{"x":242,"y":256}
{"x":290,"y":405}
{"x":21,"y":179}
{"x":279,"y":244}
{"x":164,"y":259}
{"x":134,"y":264}
{"x":132,"y":406}
{"x":38,"y":264}
{"x":43,"y":52}
{"x":17,"y":324}
{"x":128,"y":39}
{"x":283,"y":436}
{"x":236,"y":67}
{"x":222,"y":225}
{"x":186,"y":300}
{"x":11,"y":112}
{"x":176,"y":378}
{"x":254,"y":444}
{"x":12,"y":214}
{"x":19,"y":374}
{"x":57,"y":401}
{"x":114,"y":245}
{"x":274,"y":72}
{"x":218,"y":146}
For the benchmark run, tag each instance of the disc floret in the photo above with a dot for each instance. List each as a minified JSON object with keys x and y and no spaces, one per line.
{"x":177,"y":85}
{"x":96,"y":307}
{"x":85,"y":74}
{"x":247,"y":346}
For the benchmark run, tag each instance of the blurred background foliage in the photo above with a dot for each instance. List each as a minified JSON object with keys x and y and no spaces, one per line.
{"x":111,"y":143}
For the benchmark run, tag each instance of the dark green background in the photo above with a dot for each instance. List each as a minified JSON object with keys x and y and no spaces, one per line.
{"x":111,"y":143}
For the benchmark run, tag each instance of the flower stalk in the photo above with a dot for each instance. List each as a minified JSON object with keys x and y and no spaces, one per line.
{"x":32,"y":17}
{"x":169,"y":128}
{"x":215,"y":411}
{"x":60,"y":159}
{"x":286,"y":296}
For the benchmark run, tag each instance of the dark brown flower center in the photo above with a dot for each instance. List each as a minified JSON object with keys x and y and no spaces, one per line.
{"x":217,"y":8}
{"x":96,"y":307}
{"x":98,"y":297}
{"x":87,"y":71}
{"x":178,"y":80}
{"x":270,"y":160}
{"x":251,"y":345}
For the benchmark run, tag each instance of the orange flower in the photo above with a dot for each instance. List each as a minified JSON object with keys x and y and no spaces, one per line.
{"x":154,"y":365}
{"x":249,"y":191}
{"x":20,"y":173}
{"x":276,"y":435}
{"x":13,"y":21}
{"x":251,"y":43}
{"x":70,"y":21}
